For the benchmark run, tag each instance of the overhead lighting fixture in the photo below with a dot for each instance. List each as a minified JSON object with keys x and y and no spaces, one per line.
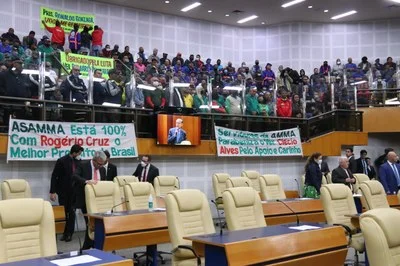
{"x":344,"y":15}
{"x":326,"y":11}
{"x":226,"y":15}
{"x":180,"y":85}
{"x":146,"y":87}
{"x":358,"y":82}
{"x":229,"y":88}
{"x":309,"y":6}
{"x":263,"y":23}
{"x":247,"y":19}
{"x":190,"y":7}
{"x":397,"y":1}
{"x":291,"y":3}
{"x":209,"y":11}
{"x":167,"y":2}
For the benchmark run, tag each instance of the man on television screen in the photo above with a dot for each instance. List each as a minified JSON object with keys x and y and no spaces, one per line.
{"x":176,"y":134}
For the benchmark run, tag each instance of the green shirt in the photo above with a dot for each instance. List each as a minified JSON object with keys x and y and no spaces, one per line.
{"x":252,"y":104}
{"x":48,"y":51}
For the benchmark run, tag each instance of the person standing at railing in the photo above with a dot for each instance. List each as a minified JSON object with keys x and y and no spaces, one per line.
{"x":47,"y":49}
{"x":284,"y":104}
{"x":86,"y":37}
{"x":337,"y":69}
{"x":74,"y":39}
{"x":73,"y":88}
{"x":58,"y":34}
{"x":97,"y":40}
{"x":113,"y":94}
{"x":252,"y":107}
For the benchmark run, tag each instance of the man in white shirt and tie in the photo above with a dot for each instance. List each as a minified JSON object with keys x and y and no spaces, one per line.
{"x":342,"y":174}
{"x":145,"y":171}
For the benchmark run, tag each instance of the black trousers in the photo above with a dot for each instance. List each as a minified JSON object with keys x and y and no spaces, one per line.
{"x":66,"y":201}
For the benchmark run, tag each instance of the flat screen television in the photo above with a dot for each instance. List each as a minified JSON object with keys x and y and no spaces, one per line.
{"x":178,"y":130}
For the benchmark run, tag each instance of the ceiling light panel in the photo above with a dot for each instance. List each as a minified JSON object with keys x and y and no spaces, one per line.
{"x":349,"y":13}
{"x":190,"y":7}
{"x":247,"y":19}
{"x":291,"y":3}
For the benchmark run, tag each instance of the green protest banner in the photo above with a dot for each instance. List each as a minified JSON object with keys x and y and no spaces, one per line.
{"x":67,"y":19}
{"x":30,"y":140}
{"x":238,"y":143}
{"x":68,"y":60}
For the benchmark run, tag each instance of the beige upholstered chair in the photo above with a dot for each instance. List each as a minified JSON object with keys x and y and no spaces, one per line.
{"x":374,"y":195}
{"x":382,"y":236}
{"x":15,"y":189}
{"x":138,"y":194}
{"x":243,"y":209}
{"x":164,"y":184}
{"x":329,"y":178}
{"x":254,"y":176}
{"x":188,"y":214}
{"x":360,"y":178}
{"x":122,"y":180}
{"x":337,"y":200}
{"x":27,"y":230}
{"x":238,"y":182}
{"x":101,"y":198}
{"x":219,"y":185}
{"x":271,"y":187}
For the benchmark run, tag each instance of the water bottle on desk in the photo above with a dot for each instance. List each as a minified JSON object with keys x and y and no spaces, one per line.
{"x":151,"y":203}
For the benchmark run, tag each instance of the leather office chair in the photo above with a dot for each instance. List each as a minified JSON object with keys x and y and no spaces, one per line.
{"x":271,"y":187}
{"x":382,"y":236}
{"x":164,"y":184}
{"x":238,"y":182}
{"x":15,"y":189}
{"x":137,"y":194}
{"x":188,"y":214}
{"x":219,"y":185}
{"x":360,"y":178}
{"x":102,"y":197}
{"x":122,"y":180}
{"x":337,"y":200}
{"x":254,"y":176}
{"x":374,"y":195}
{"x":243,"y":209}
{"x":329,"y":178}
{"x":27,"y":230}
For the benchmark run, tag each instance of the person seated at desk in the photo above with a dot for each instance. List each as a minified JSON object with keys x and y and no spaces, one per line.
{"x":342,"y":174}
{"x":111,"y":169}
{"x":176,"y":134}
{"x":312,"y":183}
{"x":145,"y":171}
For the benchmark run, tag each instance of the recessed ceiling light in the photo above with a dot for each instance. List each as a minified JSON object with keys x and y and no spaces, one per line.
{"x":226,"y":15}
{"x":209,"y":11}
{"x":190,"y":7}
{"x":291,"y":3}
{"x":344,"y":15}
{"x":167,"y":2}
{"x":309,"y":6}
{"x":247,"y":19}
{"x":263,"y":23}
{"x":397,"y":1}
{"x":326,"y":11}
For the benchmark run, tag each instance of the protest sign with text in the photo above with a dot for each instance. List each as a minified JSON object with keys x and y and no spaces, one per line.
{"x":67,"y":19}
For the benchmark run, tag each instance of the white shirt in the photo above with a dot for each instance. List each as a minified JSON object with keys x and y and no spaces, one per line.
{"x":106,"y":167}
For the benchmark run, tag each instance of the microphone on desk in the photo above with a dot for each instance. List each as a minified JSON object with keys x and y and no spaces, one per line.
{"x":79,"y":239}
{"x":112,"y":209}
{"x":298,"y":187}
{"x":219,"y":217}
{"x":297,"y":217}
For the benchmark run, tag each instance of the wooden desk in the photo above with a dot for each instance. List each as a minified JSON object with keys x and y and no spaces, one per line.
{"x":308,"y":210}
{"x":393,"y":201}
{"x":59,"y":218}
{"x":129,"y":229}
{"x":106,"y":259}
{"x":274,"y":245}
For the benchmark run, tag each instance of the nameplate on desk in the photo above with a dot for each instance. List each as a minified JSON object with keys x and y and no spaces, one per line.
{"x":304,"y":227}
{"x":75,"y":260}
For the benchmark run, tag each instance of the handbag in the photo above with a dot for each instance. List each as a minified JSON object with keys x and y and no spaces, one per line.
{"x":310,"y":192}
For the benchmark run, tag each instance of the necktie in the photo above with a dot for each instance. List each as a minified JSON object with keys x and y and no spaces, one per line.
{"x":144,"y":175}
{"x":396,"y":173}
{"x":365,"y":167}
{"x":95,"y":175}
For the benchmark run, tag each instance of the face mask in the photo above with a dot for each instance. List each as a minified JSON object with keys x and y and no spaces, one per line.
{"x":78,"y":157}
{"x":75,"y":75}
{"x":156,"y":83}
{"x":319,"y":161}
{"x":143,"y":164}
{"x":197,"y":58}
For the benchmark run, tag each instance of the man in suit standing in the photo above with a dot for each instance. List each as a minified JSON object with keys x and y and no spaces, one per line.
{"x":363,"y":167}
{"x":342,"y":174}
{"x":176,"y":134}
{"x":352,"y":161}
{"x":389,"y":174}
{"x":88,"y":172}
{"x":61,"y":186}
{"x":371,"y":169}
{"x":145,"y":171}
{"x":111,"y":169}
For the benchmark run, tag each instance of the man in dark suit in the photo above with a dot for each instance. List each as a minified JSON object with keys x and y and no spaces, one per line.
{"x":61,"y":186}
{"x":176,"y":134}
{"x":389,"y":174}
{"x":352,"y":161}
{"x":145,"y":171}
{"x":371,"y":169}
{"x":111,"y":169}
{"x":324,"y":167}
{"x":88,"y":172}
{"x":342,"y":174}
{"x":363,"y":165}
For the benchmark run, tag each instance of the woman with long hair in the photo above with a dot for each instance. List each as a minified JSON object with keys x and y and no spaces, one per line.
{"x":313,"y":180}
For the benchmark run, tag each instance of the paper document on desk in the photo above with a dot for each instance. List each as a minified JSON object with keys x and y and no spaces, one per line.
{"x":304,"y":227}
{"x":159,"y":209}
{"x":75,"y":260}
{"x":357,"y":195}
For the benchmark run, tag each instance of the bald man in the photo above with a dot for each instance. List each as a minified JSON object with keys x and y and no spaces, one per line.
{"x":342,"y":174}
{"x":389,"y":174}
{"x":176,"y":134}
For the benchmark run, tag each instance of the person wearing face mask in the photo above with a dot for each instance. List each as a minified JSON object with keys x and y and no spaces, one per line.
{"x":200,"y":99}
{"x":198,"y":63}
{"x":156,"y":98}
{"x":146,"y":171}
{"x":47,"y":49}
{"x":337,"y":69}
{"x":61,"y":187}
{"x":313,"y":176}
{"x":284,"y":105}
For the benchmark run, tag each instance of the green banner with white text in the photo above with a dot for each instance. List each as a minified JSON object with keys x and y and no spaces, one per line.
{"x":68,"y":60}
{"x":67,"y":19}
{"x":30,"y":140}
{"x":236,"y":143}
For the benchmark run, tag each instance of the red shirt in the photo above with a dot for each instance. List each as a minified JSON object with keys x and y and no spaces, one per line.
{"x":97,"y":37}
{"x":58,"y":34}
{"x":284,"y":107}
